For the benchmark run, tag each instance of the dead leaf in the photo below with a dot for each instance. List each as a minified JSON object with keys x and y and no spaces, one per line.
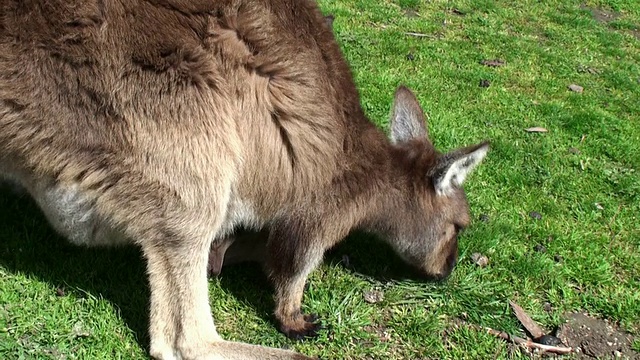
{"x":373,"y":296}
{"x":479,"y":259}
{"x":587,"y":69}
{"x":80,"y":330}
{"x":526,"y":321}
{"x":493,"y":62}
{"x":536,"y":129}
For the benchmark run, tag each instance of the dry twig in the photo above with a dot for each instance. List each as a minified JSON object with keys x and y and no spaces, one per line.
{"x":526,"y":321}
{"x":410,"y":33}
{"x":528,"y":343}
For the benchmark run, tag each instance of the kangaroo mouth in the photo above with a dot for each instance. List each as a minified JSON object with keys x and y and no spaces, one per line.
{"x":447,"y":268}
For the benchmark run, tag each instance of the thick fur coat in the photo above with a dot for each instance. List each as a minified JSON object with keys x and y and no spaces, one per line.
{"x":170,"y":123}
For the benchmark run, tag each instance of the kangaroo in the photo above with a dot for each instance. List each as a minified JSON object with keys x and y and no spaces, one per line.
{"x":168,"y":124}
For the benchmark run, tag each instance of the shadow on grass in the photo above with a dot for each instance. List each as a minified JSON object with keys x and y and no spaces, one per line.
{"x":29,"y":246}
{"x":366,"y":255}
{"x":361,"y":254}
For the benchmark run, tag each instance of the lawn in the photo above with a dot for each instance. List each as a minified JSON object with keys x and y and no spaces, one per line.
{"x":556,"y":212}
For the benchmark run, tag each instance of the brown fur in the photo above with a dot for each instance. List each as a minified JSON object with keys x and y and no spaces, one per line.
{"x":172,"y":122}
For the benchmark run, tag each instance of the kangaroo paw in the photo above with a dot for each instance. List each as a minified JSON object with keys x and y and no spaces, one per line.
{"x":305,"y":326}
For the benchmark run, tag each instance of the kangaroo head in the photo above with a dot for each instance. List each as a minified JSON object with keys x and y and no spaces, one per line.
{"x":428,"y":207}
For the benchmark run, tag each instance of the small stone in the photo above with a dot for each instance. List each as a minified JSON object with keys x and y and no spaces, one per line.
{"x":547,"y":307}
{"x":60,"y":292}
{"x":548,"y":340}
{"x":540,"y":248}
{"x":484,"y":218}
{"x":410,"y":57}
{"x":373,"y":296}
{"x":576,"y":88}
{"x":535,"y":215}
{"x":598,"y":206}
{"x":617,"y":354}
{"x":485,"y":83}
{"x":479,"y":259}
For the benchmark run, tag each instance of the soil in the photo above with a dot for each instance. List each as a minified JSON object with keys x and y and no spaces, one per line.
{"x":601,"y":15}
{"x":595,"y":338}
{"x":605,"y":17}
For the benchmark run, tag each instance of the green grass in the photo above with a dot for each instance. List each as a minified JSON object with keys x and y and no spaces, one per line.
{"x":582,"y":177}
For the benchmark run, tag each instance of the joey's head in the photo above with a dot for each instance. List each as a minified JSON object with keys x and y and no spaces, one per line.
{"x":427,"y":207}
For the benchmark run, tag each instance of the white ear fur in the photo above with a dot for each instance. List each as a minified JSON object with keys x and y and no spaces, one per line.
{"x":457,"y":171}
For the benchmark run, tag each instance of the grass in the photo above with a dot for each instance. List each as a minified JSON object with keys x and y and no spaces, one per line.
{"x":582,"y":177}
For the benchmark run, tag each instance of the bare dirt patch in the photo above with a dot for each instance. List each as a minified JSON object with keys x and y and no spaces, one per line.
{"x":601,"y":15}
{"x":605,"y":17}
{"x":595,"y":338}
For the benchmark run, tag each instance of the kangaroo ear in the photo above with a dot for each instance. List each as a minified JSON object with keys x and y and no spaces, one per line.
{"x":453,"y":168}
{"x":328,"y":19}
{"x":407,"y":118}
